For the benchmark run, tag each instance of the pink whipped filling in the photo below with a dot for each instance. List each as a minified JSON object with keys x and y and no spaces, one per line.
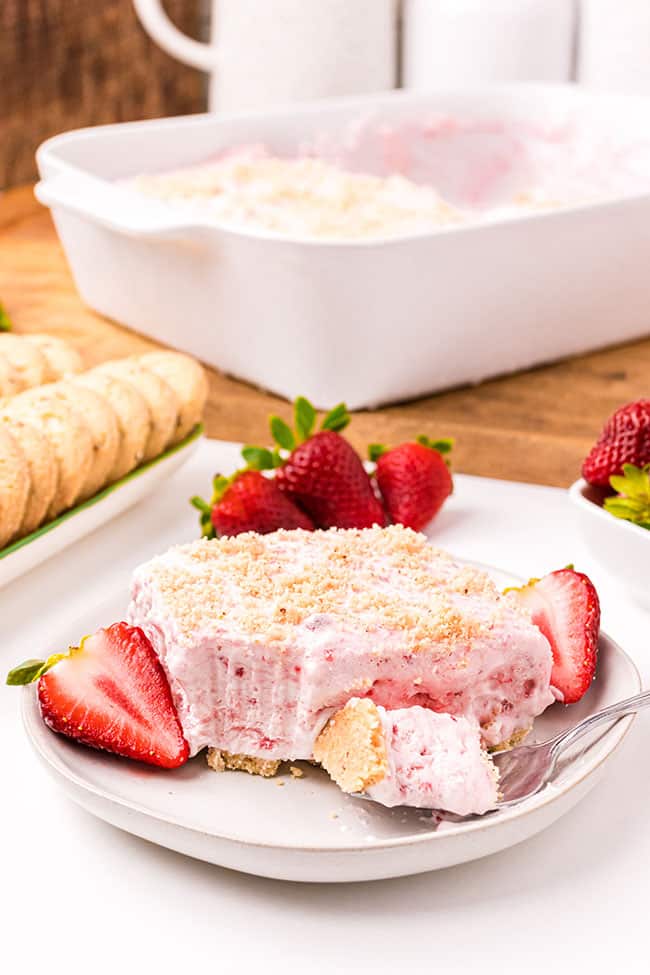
{"x":435,"y":761}
{"x":266,"y":693}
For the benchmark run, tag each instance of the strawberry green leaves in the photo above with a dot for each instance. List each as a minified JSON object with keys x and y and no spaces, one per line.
{"x":282,"y":433}
{"x":5,"y":321}
{"x":443,"y":446}
{"x":286,"y":439}
{"x":337,"y":419}
{"x":220,"y":485}
{"x":632,"y":503}
{"x":30,"y":670}
{"x":259,"y":458}
{"x":304,"y":418}
{"x":205,"y":516}
{"x":25,"y":673}
{"x":375,"y":451}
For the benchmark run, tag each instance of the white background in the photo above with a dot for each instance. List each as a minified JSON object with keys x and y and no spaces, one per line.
{"x":77,"y":895}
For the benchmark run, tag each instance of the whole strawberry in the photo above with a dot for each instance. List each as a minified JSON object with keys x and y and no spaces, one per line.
{"x":249,"y":502}
{"x":625,"y":439}
{"x":414,"y":480}
{"x":322,"y":472}
{"x":326,"y":476}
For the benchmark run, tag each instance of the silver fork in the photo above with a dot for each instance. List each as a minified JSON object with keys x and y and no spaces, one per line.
{"x":527,"y":768}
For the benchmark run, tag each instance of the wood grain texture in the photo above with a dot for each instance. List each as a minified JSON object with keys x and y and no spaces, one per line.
{"x":70,"y":63}
{"x":535,"y":426}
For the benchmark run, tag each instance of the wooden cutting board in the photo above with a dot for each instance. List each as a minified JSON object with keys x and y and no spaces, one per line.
{"x":535,"y":426}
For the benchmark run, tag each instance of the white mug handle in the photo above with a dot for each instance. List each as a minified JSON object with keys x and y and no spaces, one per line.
{"x":171,"y":39}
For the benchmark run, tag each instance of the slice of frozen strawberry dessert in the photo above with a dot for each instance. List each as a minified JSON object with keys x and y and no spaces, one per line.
{"x":264,"y":637}
{"x":408,"y":757}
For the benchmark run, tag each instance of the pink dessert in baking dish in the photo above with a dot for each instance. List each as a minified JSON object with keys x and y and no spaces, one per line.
{"x":264,"y":637}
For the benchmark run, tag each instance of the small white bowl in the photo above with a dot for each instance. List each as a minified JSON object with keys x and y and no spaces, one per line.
{"x":622,"y":547}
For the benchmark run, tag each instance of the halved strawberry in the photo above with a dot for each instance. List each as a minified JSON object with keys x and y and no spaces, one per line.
{"x":111,"y":693}
{"x":565,"y":607}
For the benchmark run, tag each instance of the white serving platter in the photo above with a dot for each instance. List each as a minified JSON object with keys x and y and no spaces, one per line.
{"x":70,"y":527}
{"x":305,"y":829}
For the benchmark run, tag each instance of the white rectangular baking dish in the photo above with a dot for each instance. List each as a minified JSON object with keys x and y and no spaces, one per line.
{"x":367,"y":322}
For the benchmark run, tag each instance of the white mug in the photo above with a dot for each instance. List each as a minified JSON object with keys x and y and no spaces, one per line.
{"x":451,"y":42}
{"x":269,"y":52}
{"x":614,"y":48}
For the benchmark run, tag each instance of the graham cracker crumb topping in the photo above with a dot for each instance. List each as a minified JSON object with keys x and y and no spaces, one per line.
{"x":264,"y":586}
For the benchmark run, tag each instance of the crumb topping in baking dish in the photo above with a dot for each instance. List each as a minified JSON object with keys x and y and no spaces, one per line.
{"x":302,"y":196}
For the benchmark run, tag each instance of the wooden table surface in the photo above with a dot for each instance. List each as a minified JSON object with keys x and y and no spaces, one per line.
{"x":534,"y":426}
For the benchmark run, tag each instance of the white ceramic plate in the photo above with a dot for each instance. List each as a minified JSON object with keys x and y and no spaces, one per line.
{"x":306,"y":829}
{"x":73,"y":525}
{"x":623,"y":549}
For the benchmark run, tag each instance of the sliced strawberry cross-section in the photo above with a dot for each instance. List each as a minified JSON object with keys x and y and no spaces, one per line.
{"x":110,"y":692}
{"x":565,"y":607}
